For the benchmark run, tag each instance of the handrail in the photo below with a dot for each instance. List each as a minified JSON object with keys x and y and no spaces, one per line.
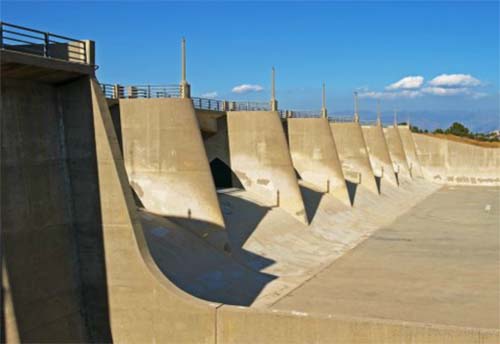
{"x":140,"y":91}
{"x":340,"y":119}
{"x":46,"y":44}
{"x":304,"y":113}
{"x":370,"y":122}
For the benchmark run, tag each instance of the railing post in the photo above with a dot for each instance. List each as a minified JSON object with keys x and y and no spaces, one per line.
{"x":149,"y":91}
{"x":46,"y":44}
{"x":89,"y":51}
{"x":116,"y":91}
{"x":1,"y":35}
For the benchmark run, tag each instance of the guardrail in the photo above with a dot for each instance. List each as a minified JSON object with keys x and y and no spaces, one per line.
{"x":341,"y":119}
{"x":141,"y":91}
{"x":305,"y":113}
{"x":252,"y":106}
{"x":46,"y":44}
{"x":209,"y":104}
{"x":371,"y":122}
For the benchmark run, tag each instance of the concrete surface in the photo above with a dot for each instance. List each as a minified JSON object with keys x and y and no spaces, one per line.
{"x":260,"y":158}
{"x":448,"y":162}
{"x":397,"y":153}
{"x":353,"y":155}
{"x":379,"y":153}
{"x":315,"y":157}
{"x":166,"y":161}
{"x":436,"y":264}
{"x":410,"y":150}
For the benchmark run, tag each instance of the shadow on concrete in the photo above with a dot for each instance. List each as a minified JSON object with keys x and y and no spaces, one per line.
{"x":378,"y":181}
{"x":223,"y":176}
{"x":242,"y":218}
{"x":195,"y":266}
{"x":351,"y":190}
{"x":312,"y":199}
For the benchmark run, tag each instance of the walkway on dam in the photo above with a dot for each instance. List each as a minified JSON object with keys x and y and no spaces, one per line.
{"x":443,"y":271}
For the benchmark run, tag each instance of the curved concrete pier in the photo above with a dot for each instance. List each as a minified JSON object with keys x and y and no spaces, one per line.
{"x":353,"y":155}
{"x":315,"y":156}
{"x":410,"y":151}
{"x":261,"y":159}
{"x":166,"y":161}
{"x":379,"y":153}
{"x":397,"y":153}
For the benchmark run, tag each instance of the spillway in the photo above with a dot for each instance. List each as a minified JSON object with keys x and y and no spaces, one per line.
{"x":151,"y":220}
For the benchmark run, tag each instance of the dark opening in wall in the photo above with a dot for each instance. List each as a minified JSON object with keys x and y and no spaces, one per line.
{"x":223,"y":176}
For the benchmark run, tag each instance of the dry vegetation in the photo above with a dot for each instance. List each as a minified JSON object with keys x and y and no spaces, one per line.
{"x":466,"y":140}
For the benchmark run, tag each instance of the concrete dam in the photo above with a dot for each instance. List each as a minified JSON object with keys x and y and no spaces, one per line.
{"x":140,"y":214}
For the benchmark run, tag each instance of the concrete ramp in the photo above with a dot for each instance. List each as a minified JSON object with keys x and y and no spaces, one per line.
{"x":353,"y":155}
{"x":449,"y":162}
{"x":260,"y":158}
{"x":410,"y":150}
{"x":397,"y":153}
{"x":379,"y":153}
{"x":166,"y":161}
{"x":315,"y":156}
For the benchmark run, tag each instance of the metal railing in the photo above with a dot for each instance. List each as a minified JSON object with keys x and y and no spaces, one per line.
{"x":209,"y":104}
{"x":46,"y":44}
{"x":305,"y":113}
{"x":252,"y":106}
{"x":141,"y":91}
{"x":368,"y":122}
{"x":340,"y":119}
{"x":116,"y":91}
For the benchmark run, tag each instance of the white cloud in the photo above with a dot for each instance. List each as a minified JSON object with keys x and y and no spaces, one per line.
{"x":443,"y":91}
{"x":454,"y":80}
{"x":446,"y":91}
{"x":212,"y":94}
{"x":407,"y":83}
{"x":245,"y":88}
{"x":390,"y":95}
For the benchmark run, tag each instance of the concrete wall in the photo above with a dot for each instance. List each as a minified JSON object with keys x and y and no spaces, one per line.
{"x":166,"y":160}
{"x":260,"y":158}
{"x":352,"y":151}
{"x":410,"y":150}
{"x":397,"y":152}
{"x":314,"y":155}
{"x":379,"y":153}
{"x":449,"y":162}
{"x":240,"y":325}
{"x":38,"y":216}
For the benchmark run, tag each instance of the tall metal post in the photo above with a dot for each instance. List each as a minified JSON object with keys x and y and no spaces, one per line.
{"x":274,"y":102}
{"x":185,"y":87}
{"x":356,"y":115}
{"x":324,"y":112}
{"x":379,"y":120}
{"x":395,"y":117}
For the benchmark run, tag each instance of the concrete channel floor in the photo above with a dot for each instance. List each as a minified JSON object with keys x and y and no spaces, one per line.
{"x":438,"y":263}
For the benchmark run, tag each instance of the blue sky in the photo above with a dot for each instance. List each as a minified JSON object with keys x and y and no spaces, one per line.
{"x":449,"y":50}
